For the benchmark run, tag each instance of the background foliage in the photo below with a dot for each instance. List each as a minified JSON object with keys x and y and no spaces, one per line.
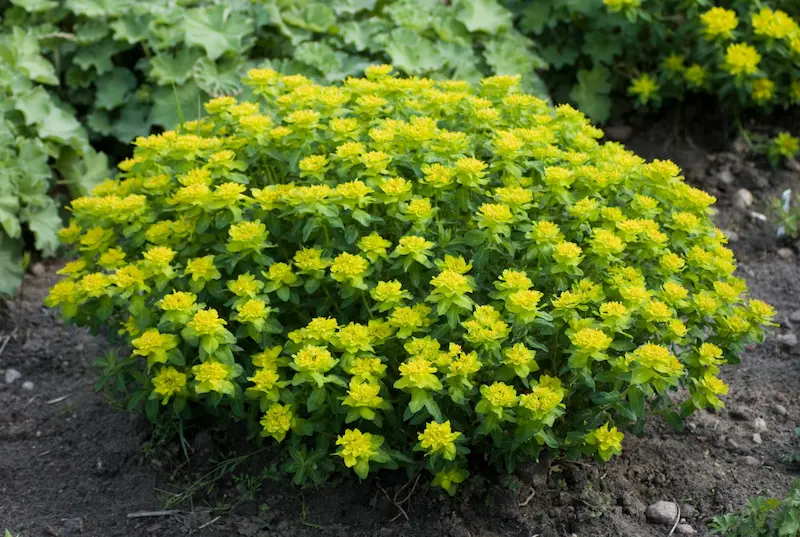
{"x":597,"y":49}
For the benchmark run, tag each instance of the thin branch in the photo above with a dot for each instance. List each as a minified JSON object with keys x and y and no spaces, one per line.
{"x":146,"y":514}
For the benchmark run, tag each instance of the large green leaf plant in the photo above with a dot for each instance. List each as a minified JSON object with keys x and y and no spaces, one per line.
{"x":128,"y":67}
{"x":42,"y":147}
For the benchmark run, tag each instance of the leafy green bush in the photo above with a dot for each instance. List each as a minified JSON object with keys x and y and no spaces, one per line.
{"x":396,"y":266}
{"x":124,"y":64}
{"x":608,"y":54}
{"x":40,"y":143}
{"x":763,"y":517}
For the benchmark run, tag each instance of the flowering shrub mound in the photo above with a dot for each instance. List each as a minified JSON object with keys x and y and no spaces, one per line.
{"x":400,"y":271}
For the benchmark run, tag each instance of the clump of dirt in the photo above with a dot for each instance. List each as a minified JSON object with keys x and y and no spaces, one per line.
{"x":71,"y":464}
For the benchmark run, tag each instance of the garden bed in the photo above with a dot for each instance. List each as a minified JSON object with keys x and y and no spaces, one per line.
{"x":70,"y":464}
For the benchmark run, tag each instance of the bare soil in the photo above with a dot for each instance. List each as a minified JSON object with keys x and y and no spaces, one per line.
{"x":71,"y":464}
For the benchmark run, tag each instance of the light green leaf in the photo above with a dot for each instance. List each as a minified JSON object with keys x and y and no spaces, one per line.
{"x":361,"y":34}
{"x":482,"y":15}
{"x":37,"y":171}
{"x":99,"y":122}
{"x":34,"y":105}
{"x":90,"y":32}
{"x":557,"y":56}
{"x":413,"y":53}
{"x":217,"y":29}
{"x":10,"y":265}
{"x":414,"y":15}
{"x":166,"y":106}
{"x":590,"y":94}
{"x":82,"y":172}
{"x":317,"y":55}
{"x":132,"y":29}
{"x":512,"y":55}
{"x":351,"y":7}
{"x":218,"y":78}
{"x":22,"y":51}
{"x":43,"y":222}
{"x":167,"y":69}
{"x":34,"y":6}
{"x":316,"y":17}
{"x":61,"y":126}
{"x":113,"y":88}
{"x":94,"y":9}
{"x":9,"y":219}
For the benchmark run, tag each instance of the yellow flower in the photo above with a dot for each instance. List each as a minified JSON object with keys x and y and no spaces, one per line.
{"x":496,"y":397}
{"x":761,"y":312}
{"x":419,"y":373}
{"x":591,"y":340}
{"x":655,"y":359}
{"x":521,"y":359}
{"x":310,"y":260}
{"x":439,"y":439}
{"x":214,"y":376}
{"x":674,"y":63}
{"x":363,"y":395}
{"x":247,"y":236}
{"x":357,"y":449}
{"x":277,"y":421}
{"x":280,"y":274}
{"x":567,"y":254}
{"x":374,"y":246}
{"x":168,"y":382}
{"x":763,"y":90}
{"x":254,"y":311}
{"x":608,"y":441}
{"x":719,"y":22}
{"x":313,"y":165}
{"x":696,"y":75}
{"x":524,"y":304}
{"x":644,"y":88}
{"x":354,"y":338}
{"x":389,"y":294}
{"x":154,"y":346}
{"x":615,"y":6}
{"x":451,"y":284}
{"x":546,"y":232}
{"x":94,"y":285}
{"x":202,"y":269}
{"x":245,"y":286}
{"x":206,"y":322}
{"x":448,"y":479}
{"x":266,"y":383}
{"x":656,"y":311}
{"x":349,"y":268}
{"x":774,"y":24}
{"x":366,"y":368}
{"x":312,"y":358}
{"x":741,"y":59}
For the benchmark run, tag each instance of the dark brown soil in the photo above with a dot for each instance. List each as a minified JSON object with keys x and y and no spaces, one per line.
{"x":71,"y":464}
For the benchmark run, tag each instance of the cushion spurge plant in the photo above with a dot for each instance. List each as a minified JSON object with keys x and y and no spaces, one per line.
{"x":406,"y":272}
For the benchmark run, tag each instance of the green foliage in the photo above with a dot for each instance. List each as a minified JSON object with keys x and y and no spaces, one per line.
{"x":763,"y":517}
{"x":607,"y":56}
{"x":123,"y":62}
{"x":40,"y":143}
{"x":400,"y":272}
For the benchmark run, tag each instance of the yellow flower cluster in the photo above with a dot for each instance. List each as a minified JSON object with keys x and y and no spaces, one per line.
{"x":465,"y":264}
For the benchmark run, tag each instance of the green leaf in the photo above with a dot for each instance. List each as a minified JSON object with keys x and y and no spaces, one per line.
{"x":43,"y":222}
{"x":33,"y":153}
{"x":316,"y":17}
{"x":218,"y":78}
{"x":482,"y":15}
{"x":412,"y":53}
{"x":602,"y":47}
{"x":216,"y":29}
{"x":34,"y":105}
{"x":351,"y":7}
{"x":94,"y":9}
{"x":557,"y":56}
{"x":34,"y":6}
{"x":22,"y":51}
{"x":11,"y":258}
{"x":133,"y":121}
{"x":61,"y":126}
{"x":82,"y":172}
{"x":166,"y":68}
{"x":535,"y":16}
{"x":131,"y":29}
{"x":512,"y":55}
{"x":99,"y":57}
{"x":361,"y":34}
{"x":166,"y":105}
{"x":9,"y":219}
{"x":113,"y":88}
{"x":591,"y":93}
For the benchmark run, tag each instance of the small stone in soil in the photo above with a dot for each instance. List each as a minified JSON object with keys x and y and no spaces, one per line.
{"x":787,"y":340}
{"x":662,"y":512}
{"x":749,"y":460}
{"x":795,"y":316}
{"x":785,"y":253}
{"x":742,"y":199}
{"x":757,"y":438}
{"x":27,"y":385}
{"x":459,"y":530}
{"x":37,"y":269}
{"x":780,"y":410}
{"x":72,"y":526}
{"x":725,"y":176}
{"x":684,"y":529}
{"x":12,"y":375}
{"x":687,"y":510}
{"x":740,"y":413}
{"x":759,"y":425}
